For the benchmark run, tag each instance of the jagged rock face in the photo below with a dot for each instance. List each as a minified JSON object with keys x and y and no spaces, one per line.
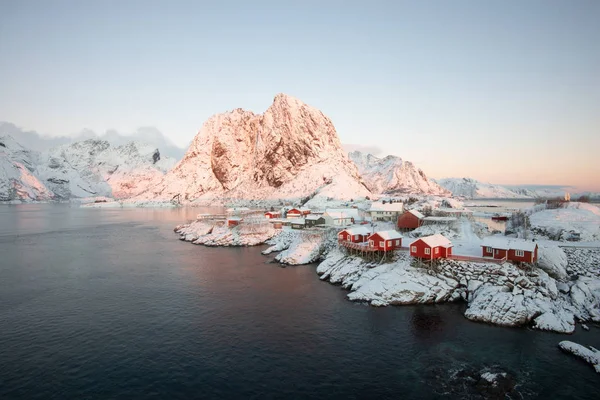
{"x":17,"y":181}
{"x":292,"y":150}
{"x":392,"y":175}
{"x":82,"y":169}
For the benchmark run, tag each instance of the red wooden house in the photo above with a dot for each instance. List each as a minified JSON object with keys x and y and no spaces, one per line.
{"x":431,"y":247}
{"x":385,"y":240}
{"x":297,"y":212}
{"x":511,"y":249}
{"x":273,"y":214}
{"x":233,"y":221}
{"x":411,"y":219}
{"x":355,"y":235}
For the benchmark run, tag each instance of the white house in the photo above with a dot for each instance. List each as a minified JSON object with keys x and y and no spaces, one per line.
{"x":337,"y":218}
{"x":386,"y":212}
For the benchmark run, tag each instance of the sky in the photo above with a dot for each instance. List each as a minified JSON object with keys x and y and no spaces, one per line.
{"x":501,"y":91}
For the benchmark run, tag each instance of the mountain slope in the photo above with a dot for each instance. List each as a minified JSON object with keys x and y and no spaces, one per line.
{"x":392,"y":175}
{"x":473,"y":189}
{"x":290,"y":151}
{"x":17,"y":179}
{"x":81,"y":169}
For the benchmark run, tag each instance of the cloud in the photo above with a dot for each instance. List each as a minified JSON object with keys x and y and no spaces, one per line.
{"x":36,"y":141}
{"x":374,"y":150}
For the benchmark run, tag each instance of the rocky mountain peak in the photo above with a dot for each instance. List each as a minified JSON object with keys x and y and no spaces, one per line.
{"x":290,"y":150}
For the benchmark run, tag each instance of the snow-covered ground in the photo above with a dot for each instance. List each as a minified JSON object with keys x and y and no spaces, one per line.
{"x":218,"y":234}
{"x":558,"y":224}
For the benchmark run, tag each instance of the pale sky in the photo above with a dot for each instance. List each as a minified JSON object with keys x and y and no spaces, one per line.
{"x":502,"y":91}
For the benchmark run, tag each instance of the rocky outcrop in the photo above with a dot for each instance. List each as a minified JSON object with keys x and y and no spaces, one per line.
{"x":290,"y":151}
{"x":392,"y":175}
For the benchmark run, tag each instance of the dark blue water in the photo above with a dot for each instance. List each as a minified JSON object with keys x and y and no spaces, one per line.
{"x":109,"y":304}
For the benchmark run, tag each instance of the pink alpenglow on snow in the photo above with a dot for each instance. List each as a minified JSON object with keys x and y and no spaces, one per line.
{"x":290,"y":151}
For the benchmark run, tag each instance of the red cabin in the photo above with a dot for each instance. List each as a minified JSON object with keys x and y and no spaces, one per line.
{"x":385,"y":240}
{"x":233,"y":221}
{"x":511,"y":249}
{"x":411,"y":219}
{"x":354,"y":235}
{"x":431,"y":247}
{"x":272,"y":214}
{"x":297,"y":212}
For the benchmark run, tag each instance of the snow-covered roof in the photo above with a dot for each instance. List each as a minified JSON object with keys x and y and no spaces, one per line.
{"x":439,"y":219}
{"x":436,"y":240}
{"x":297,"y":221}
{"x":238,"y":209}
{"x":314,"y":216}
{"x":388,"y":235}
{"x":358,"y":230}
{"x":349,"y":212}
{"x":234,"y":219}
{"x":416,"y":214}
{"x":506,"y":243}
{"x":398,"y":207}
{"x":339,"y":215}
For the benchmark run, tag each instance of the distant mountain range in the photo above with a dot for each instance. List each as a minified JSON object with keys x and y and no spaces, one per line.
{"x":473,"y":189}
{"x":392,"y":175}
{"x":82,"y":169}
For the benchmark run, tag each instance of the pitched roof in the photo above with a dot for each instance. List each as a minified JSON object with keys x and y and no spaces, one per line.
{"x":349,"y":212}
{"x":358,"y":230}
{"x":388,"y":235}
{"x":506,"y":243}
{"x":398,"y":207}
{"x":314,"y":216}
{"x":416,"y":214}
{"x":234,"y":219}
{"x":297,"y":221}
{"x":436,"y":240}
{"x":338,"y":215}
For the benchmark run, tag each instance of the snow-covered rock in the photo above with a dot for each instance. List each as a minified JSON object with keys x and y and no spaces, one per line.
{"x":560,"y":223}
{"x":17,"y":178}
{"x":291,"y":151}
{"x":589,"y":355}
{"x":553,"y":260}
{"x":305,"y":248}
{"x":219,"y":234}
{"x":392,"y":175}
{"x":473,"y":189}
{"x":91,"y":168}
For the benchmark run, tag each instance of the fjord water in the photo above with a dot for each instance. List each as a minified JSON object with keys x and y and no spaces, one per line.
{"x":101,"y":303}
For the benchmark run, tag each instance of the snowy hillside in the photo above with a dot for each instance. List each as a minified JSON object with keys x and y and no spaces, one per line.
{"x":472,"y":189}
{"x":290,"y":151}
{"x":81,"y":169}
{"x":17,"y":179}
{"x":392,"y":175}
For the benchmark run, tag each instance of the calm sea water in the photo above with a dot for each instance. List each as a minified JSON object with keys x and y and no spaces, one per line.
{"x":109,"y":304}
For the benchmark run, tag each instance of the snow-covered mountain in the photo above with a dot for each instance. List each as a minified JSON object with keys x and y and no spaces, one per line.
{"x":81,"y":169}
{"x":290,"y":151}
{"x":17,"y":178}
{"x":473,"y":189}
{"x":392,"y":175}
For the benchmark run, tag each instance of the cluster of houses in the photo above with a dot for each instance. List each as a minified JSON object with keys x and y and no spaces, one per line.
{"x":357,"y":235}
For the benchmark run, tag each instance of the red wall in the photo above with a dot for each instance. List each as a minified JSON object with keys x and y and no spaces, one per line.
{"x":420,"y":251}
{"x":391,"y":243}
{"x":408,"y":221}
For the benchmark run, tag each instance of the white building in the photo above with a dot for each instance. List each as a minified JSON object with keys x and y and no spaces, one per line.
{"x":386,"y":212}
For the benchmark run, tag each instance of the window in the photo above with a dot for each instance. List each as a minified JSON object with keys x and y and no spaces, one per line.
{"x":437,"y":250}
{"x":397,"y":242}
{"x":381,"y":244}
{"x":427,"y":251}
{"x":413,"y":249}
{"x":355,"y":237}
{"x":488,"y":249}
{"x":371,"y":243}
{"x":519,"y":253}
